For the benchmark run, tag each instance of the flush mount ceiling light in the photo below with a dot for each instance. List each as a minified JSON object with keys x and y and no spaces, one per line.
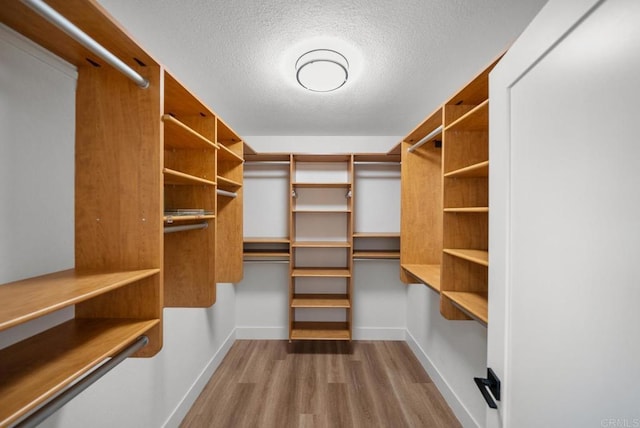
{"x":322,"y":70}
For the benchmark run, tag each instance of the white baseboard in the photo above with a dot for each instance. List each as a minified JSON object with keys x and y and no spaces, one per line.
{"x":449,"y":395}
{"x":196,"y":388}
{"x":262,"y":333}
{"x":373,"y":333}
{"x":281,"y":333}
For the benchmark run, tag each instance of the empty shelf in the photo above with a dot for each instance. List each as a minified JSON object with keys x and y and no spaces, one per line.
{"x":321,"y":272}
{"x":429,"y":275}
{"x":473,"y":304}
{"x":180,"y":178}
{"x":320,"y":301}
{"x":480,"y":257}
{"x":320,"y":331}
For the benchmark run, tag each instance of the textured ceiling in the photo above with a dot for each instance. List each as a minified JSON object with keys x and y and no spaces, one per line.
{"x":406,"y":57}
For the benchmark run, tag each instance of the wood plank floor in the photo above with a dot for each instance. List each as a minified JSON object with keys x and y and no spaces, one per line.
{"x":267,"y":383}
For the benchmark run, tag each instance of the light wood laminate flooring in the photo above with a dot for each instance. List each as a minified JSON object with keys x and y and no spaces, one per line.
{"x":265,"y":383}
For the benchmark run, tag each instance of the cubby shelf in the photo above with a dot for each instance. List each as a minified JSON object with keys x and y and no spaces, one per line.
{"x":320,"y":185}
{"x":321,"y":244}
{"x":320,"y":331}
{"x":476,"y":120}
{"x":181,"y":179}
{"x":477,"y":170}
{"x":320,"y":301}
{"x":179,"y":136}
{"x":376,"y":254}
{"x":472,"y":304}
{"x":227,"y":154}
{"x":184,"y":218}
{"x":37,"y":368}
{"x":480,"y":257}
{"x":227,"y":184}
{"x":428,"y":275}
{"x":321,"y":272}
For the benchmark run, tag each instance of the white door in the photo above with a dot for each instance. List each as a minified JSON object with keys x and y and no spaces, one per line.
{"x":564,"y":311}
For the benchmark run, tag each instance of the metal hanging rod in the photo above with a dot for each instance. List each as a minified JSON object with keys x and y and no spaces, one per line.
{"x":425,"y":139}
{"x":225,"y":193}
{"x":85,"y":40}
{"x":185,"y":227}
{"x":276,"y":261}
{"x":68,"y":394}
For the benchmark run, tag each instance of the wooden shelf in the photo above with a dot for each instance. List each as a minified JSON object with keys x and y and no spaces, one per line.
{"x":266,"y":157}
{"x":480,"y":257}
{"x":321,"y":272}
{"x":34,"y":297}
{"x":320,"y":301}
{"x":473,"y":304}
{"x":345,"y":211}
{"x":320,"y":331}
{"x":428,"y":275}
{"x":476,"y":120}
{"x":377,"y":157}
{"x":251,"y":240}
{"x":321,"y":158}
{"x":479,"y":170}
{"x":303,"y":185}
{"x":470,"y":210}
{"x":226,"y":184}
{"x":376,"y":235}
{"x":376,"y":254}
{"x":266,"y":255}
{"x":177,"y":135}
{"x":227,"y":154}
{"x":181,"y":179}
{"x":321,"y":244}
{"x":184,"y":218}
{"x":39,"y":367}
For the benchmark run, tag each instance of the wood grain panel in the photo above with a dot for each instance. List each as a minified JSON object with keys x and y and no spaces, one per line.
{"x":421,"y":203}
{"x":118,"y":204}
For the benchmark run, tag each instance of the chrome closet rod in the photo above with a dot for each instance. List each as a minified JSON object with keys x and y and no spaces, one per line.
{"x":68,"y":394}
{"x":425,"y":139}
{"x":226,"y":193}
{"x":182,"y":228}
{"x":51,"y":15}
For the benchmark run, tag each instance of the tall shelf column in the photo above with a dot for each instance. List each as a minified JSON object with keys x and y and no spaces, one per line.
{"x":321,"y":230}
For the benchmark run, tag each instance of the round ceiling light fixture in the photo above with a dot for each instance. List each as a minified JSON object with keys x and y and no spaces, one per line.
{"x":322,"y":70}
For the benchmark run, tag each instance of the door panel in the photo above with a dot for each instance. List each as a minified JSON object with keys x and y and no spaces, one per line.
{"x":564,"y":331}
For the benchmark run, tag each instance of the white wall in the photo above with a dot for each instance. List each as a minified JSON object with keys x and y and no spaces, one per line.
{"x":262,"y":296}
{"x":37,"y":108}
{"x":452,"y":352}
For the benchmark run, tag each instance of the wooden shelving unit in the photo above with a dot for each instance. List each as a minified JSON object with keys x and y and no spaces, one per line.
{"x":189,"y":183}
{"x":464,"y":283}
{"x":421,"y":204}
{"x":315,"y":191}
{"x":116,"y":285}
{"x":229,"y":209}
{"x":124,"y":183}
{"x":445,"y":203}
